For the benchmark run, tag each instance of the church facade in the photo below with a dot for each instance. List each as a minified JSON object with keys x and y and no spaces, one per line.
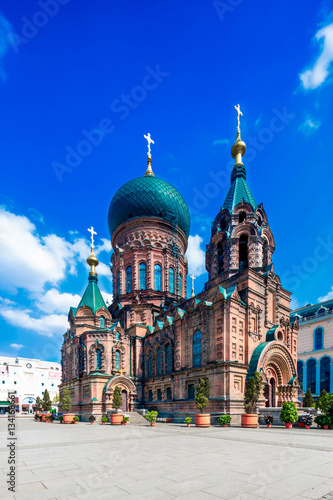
{"x":154,"y":342}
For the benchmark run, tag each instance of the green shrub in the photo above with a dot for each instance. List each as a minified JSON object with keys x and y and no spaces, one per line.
{"x":151,"y":416}
{"x":92,"y":418}
{"x":117,"y":400}
{"x":60,"y":418}
{"x":188,"y":420}
{"x":308,"y":399}
{"x":104,"y":419}
{"x":66,"y":400}
{"x":76,"y":418}
{"x":289,"y":413}
{"x":201,"y":399}
{"x":252,"y":393}
{"x":224,"y":420}
{"x":125,"y":419}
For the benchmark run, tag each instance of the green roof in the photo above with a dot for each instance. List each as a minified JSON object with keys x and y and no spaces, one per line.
{"x":92,"y":297}
{"x":151,"y":197}
{"x":255,"y":359}
{"x":239,"y":190}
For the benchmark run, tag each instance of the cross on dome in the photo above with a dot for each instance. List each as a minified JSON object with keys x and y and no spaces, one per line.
{"x":192,"y":278}
{"x":239,"y":113}
{"x":92,"y":232}
{"x":150,"y":141}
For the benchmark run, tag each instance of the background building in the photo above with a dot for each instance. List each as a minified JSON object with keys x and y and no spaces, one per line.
{"x":154,"y":342}
{"x":28,"y":378}
{"x":315,"y":346}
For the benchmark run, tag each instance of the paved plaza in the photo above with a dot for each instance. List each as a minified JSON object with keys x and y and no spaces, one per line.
{"x":87,"y":462}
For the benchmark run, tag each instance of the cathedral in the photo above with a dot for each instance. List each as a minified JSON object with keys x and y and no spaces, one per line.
{"x":154,"y":342}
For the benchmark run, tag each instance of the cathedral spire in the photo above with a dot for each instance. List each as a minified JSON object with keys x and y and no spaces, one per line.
{"x":150,"y":141}
{"x":239,"y":148}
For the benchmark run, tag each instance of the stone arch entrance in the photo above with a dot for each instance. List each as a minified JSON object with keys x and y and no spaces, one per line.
{"x":127,"y":389}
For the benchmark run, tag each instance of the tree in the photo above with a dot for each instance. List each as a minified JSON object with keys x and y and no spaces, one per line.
{"x":308,"y":399}
{"x":252,"y":393}
{"x":46,"y":401}
{"x":66,"y":400}
{"x":201,"y":399}
{"x":117,"y":400}
{"x":39,"y":405}
{"x":55,"y":400}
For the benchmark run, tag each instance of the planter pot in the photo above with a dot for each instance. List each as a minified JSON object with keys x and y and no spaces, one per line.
{"x":325,"y":426}
{"x":188,"y":425}
{"x":116,"y":418}
{"x":68,"y":418}
{"x":249,"y":420}
{"x":75,"y":422}
{"x":92,"y":423}
{"x":269,"y":426}
{"x":152,"y":424}
{"x":125,"y":423}
{"x":288,"y":425}
{"x":307,"y":426}
{"x":300,"y":424}
{"x":202,"y":419}
{"x":224,"y":425}
{"x":103,"y":423}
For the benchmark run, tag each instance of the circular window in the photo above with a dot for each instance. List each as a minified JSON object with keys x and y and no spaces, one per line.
{"x":28,"y":365}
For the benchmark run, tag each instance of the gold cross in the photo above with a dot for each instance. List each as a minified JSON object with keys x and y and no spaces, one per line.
{"x":150,"y":141}
{"x":121,"y":371}
{"x":192,"y":278}
{"x":92,"y":232}
{"x":239,"y":113}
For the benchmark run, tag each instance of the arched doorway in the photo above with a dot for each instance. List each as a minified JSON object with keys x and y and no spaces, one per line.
{"x":124,"y":398}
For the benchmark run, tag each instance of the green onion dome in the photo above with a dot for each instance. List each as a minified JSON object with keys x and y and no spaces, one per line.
{"x":148,"y":196}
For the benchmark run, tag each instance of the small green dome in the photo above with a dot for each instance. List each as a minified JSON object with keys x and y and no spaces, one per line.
{"x":150,"y":197}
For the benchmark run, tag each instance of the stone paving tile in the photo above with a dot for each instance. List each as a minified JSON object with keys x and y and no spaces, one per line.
{"x":323,"y":470}
{"x":288,"y":488}
{"x":146,"y":485}
{"x":317,"y":491}
{"x":230,"y":489}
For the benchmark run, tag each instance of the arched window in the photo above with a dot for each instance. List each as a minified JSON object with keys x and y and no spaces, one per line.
{"x":223,"y":224}
{"x":98,"y":359}
{"x":300,"y":372}
{"x":241,"y":217}
{"x":128,"y":279}
{"x":311,"y":375}
{"x":102,"y":322}
{"x":158,"y":361}
{"x":118,"y":283}
{"x":157,"y":278}
{"x":325,"y":380}
{"x":220,"y":258}
{"x":150,"y":364}
{"x":180,"y":283}
{"x":159,"y":395}
{"x":319,"y":338}
{"x":168,"y":358}
{"x":142,"y":276}
{"x":117,"y":360}
{"x":243,"y":252}
{"x":171,"y":280}
{"x":197,"y":348}
{"x":117,"y":336}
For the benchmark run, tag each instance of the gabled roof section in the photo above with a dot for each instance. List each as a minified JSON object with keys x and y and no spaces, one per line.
{"x":238,"y":191}
{"x":92,"y":296}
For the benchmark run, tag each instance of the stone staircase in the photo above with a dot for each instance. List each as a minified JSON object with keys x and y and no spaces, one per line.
{"x":135,"y":418}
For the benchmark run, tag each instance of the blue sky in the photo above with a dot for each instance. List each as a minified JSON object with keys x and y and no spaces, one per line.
{"x":176,"y":70}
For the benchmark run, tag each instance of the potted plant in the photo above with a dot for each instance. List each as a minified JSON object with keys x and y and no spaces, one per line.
{"x":67,"y":405}
{"x":46,"y":418}
{"x":38,"y":405}
{"x":308,"y":399}
{"x":201,"y":400}
{"x":117,"y":401}
{"x":224,"y":420}
{"x":76,"y":419}
{"x":60,"y":418}
{"x":252,"y":393}
{"x":188,"y":421}
{"x":308,"y":419}
{"x":92,"y":419}
{"x":300,"y":422}
{"x":269,"y":419}
{"x":104,"y":420}
{"x":289,"y":414}
{"x":327,"y":421}
{"x":51,"y":418}
{"x":125,"y":420}
{"x":36,"y":417}
{"x":151,"y":416}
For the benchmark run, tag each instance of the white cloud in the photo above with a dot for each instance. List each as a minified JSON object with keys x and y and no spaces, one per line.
{"x":195,"y":256}
{"x":5,"y":28}
{"x":108,"y":297}
{"x":105,"y":247}
{"x":54,"y":301}
{"x":309,"y":126}
{"x":328,"y":296}
{"x":17,"y":347}
{"x":48,"y":326}
{"x":317,"y":74}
